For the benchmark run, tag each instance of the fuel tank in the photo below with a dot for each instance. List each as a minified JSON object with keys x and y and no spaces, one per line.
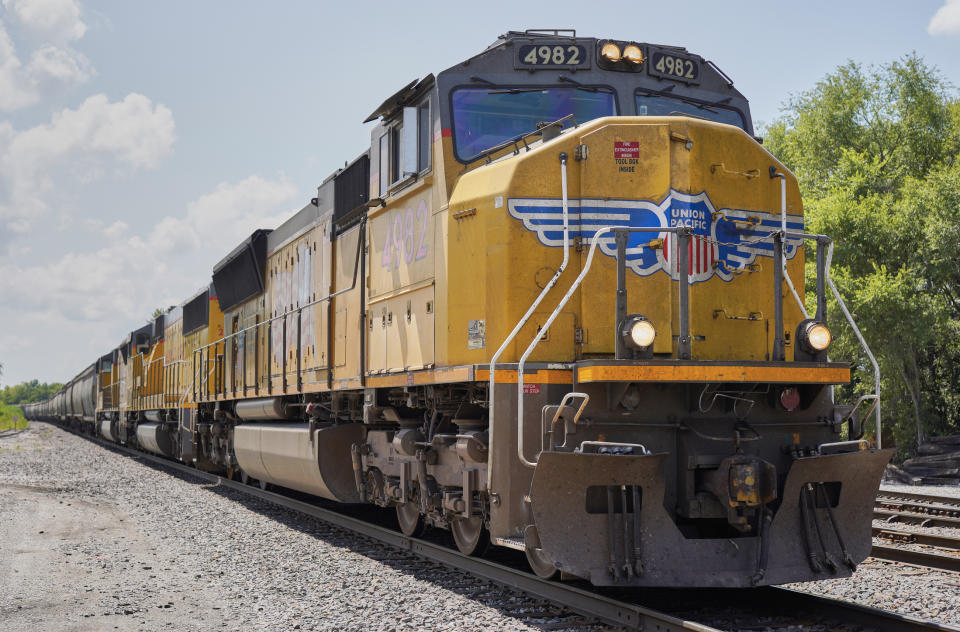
{"x":106,"y":430}
{"x":285,"y":454}
{"x":263,"y":408}
{"x":153,"y":438}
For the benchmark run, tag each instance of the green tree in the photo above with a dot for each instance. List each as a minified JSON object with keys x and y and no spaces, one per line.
{"x":875,"y":153}
{"x":28,"y":392}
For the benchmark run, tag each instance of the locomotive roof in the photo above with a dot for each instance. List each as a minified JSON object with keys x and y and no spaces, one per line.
{"x":501,"y":64}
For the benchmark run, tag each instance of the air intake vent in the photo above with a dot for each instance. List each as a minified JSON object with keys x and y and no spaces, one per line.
{"x":240,"y":275}
{"x":351,"y":188}
{"x":196,"y":312}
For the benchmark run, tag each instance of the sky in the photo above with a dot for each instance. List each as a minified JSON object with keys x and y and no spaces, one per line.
{"x":141,"y":141}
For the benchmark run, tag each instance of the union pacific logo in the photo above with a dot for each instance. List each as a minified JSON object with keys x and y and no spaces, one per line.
{"x":725,"y":242}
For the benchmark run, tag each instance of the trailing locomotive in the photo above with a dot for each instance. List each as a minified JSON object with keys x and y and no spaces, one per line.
{"x":558,"y":305}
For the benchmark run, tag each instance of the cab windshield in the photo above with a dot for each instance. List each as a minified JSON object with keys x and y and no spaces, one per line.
{"x":485,"y":117}
{"x":660,"y":105}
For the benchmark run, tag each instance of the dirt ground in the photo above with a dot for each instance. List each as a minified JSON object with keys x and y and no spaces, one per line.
{"x":69,"y":561}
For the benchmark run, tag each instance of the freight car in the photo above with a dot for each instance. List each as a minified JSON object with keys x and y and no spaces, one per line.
{"x":558,"y":305}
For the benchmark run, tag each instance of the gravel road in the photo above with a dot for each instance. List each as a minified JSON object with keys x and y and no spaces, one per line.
{"x":90,"y":540}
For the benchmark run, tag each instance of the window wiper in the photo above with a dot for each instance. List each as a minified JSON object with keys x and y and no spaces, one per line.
{"x":690,"y":114}
{"x":578,"y":85}
{"x":515,"y":90}
{"x":687,"y":101}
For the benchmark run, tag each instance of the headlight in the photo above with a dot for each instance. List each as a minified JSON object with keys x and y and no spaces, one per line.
{"x":610,"y":52}
{"x":816,"y":336}
{"x":639,"y":332}
{"x":633,"y":54}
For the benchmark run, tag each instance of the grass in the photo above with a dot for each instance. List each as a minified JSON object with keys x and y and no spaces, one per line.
{"x":7,"y":413}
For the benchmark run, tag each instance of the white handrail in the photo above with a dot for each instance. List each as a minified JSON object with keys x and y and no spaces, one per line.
{"x":491,"y":408}
{"x":539,"y":335}
{"x":783,"y":232}
{"x":863,"y":342}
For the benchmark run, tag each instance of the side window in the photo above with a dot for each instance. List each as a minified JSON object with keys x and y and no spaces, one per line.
{"x":384,"y":163}
{"x":396,"y":153}
{"x":405,"y":147}
{"x":423,"y":137}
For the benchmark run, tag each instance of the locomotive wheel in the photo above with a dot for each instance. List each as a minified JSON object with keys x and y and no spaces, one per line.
{"x":411,"y":522}
{"x":245,"y":478}
{"x":264,"y":485}
{"x":471,"y":536}
{"x":539,"y":564}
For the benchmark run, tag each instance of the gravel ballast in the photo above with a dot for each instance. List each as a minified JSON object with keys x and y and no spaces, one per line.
{"x":91,"y":539}
{"x":94,"y":540}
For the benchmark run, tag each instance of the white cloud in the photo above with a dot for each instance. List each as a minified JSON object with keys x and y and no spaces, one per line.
{"x":53,"y":66}
{"x":56,"y":20}
{"x":120,"y":284}
{"x":946,"y":21}
{"x":133,"y":132}
{"x":17,"y":87}
{"x":219,"y":220}
{"x":58,"y":64}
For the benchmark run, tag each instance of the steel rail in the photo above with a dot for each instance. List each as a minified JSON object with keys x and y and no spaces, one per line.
{"x":890,"y":496}
{"x":631,"y":616}
{"x":918,"y":507}
{"x":927,"y":559}
{"x":912,"y":537}
{"x":925,"y":520}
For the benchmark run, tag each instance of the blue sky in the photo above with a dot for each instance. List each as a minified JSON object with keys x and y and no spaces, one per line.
{"x":139,"y":141}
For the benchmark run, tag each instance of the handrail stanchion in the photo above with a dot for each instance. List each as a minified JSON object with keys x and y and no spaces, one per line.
{"x":620,"y":314}
{"x":683,"y":278}
{"x":299,"y":348}
{"x":243,"y":365}
{"x":821,"y":315}
{"x":779,"y":352}
{"x":285,"y":355}
{"x":270,"y":357}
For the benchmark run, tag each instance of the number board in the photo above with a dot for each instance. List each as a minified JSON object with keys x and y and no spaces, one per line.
{"x":552,"y":55}
{"x":671,"y":65}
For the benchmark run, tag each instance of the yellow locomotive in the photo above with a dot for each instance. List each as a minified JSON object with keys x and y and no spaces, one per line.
{"x":558,"y":305}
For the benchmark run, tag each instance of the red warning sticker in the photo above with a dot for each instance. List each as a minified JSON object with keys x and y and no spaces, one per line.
{"x":531,"y":389}
{"x":626,"y":149}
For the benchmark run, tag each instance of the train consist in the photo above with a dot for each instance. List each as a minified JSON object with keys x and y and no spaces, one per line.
{"x":557,"y":305}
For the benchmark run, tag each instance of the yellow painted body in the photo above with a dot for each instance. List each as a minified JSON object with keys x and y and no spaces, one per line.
{"x":500,"y":267}
{"x":449,"y":270}
{"x":145,"y":379}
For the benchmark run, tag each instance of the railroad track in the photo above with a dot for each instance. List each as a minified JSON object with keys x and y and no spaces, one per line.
{"x":887,"y":495}
{"x":631,"y":611}
{"x":919,"y":509}
{"x":925,"y":510}
{"x":947,"y":558}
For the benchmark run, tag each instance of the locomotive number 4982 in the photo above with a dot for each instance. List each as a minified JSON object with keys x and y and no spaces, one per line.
{"x":675,"y":67}
{"x":405,"y":242}
{"x":555,"y":55}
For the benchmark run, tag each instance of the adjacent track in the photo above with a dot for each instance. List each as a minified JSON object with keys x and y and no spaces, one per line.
{"x":619,"y":608}
{"x":885,"y":495}
{"x":921,"y":509}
